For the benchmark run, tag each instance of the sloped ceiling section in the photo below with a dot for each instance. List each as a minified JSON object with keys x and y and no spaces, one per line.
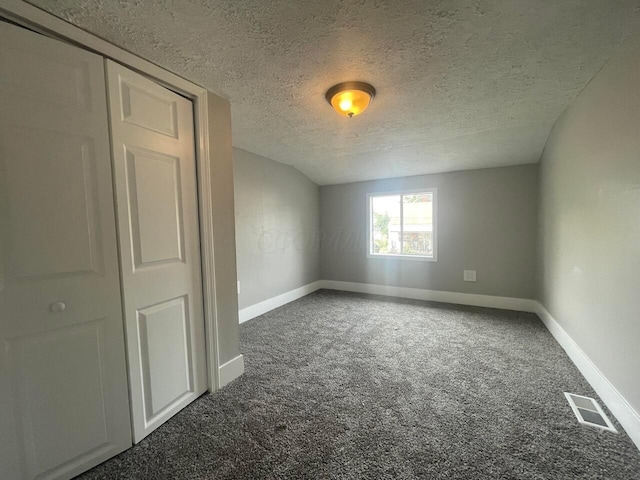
{"x":461,"y":84}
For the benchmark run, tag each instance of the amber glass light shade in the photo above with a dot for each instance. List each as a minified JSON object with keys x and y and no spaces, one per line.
{"x":350,"y":98}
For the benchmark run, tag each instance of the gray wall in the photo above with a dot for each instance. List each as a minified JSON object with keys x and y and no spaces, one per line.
{"x":222,"y":214}
{"x":590,"y":221}
{"x":277,"y":225}
{"x":487,"y":221}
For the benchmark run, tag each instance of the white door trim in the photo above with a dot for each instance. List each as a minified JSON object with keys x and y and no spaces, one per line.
{"x":38,"y":20}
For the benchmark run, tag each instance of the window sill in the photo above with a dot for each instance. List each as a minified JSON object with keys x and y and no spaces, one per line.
{"x":413,"y":258}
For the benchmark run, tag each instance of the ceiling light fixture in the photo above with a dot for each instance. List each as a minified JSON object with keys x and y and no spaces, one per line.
{"x":350,"y":98}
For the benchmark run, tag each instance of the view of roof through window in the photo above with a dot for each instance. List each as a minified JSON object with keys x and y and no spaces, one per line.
{"x":402,"y":224}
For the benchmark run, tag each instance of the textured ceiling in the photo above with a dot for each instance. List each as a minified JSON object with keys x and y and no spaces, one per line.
{"x":461,"y":84}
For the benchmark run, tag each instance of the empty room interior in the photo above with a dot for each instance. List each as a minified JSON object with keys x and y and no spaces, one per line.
{"x":346,"y":239}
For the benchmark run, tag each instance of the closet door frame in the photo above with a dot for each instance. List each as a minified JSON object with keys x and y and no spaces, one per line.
{"x":29,"y":16}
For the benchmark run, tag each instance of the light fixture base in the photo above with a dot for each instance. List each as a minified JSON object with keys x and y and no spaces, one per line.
{"x":350,"y":98}
{"x":341,"y":87}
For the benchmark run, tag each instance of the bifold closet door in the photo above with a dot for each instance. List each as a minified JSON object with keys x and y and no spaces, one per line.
{"x":64,"y":403}
{"x":156,"y":199}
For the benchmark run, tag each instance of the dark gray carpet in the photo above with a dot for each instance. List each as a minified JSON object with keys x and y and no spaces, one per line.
{"x":348,"y":386}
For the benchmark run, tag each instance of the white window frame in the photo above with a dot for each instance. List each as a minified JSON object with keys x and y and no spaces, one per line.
{"x":385,"y":256}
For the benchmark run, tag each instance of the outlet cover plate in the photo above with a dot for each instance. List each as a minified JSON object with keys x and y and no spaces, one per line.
{"x":469,"y":276}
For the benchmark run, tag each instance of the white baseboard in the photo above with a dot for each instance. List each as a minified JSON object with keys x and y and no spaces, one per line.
{"x":504,"y":303}
{"x":613,"y":399}
{"x":231,"y":370}
{"x":274,"y":302}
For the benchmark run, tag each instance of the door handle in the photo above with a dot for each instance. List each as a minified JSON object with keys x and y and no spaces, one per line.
{"x":58,"y":307}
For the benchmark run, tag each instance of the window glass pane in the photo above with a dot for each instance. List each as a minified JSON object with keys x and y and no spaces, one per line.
{"x":417,"y":211}
{"x":385,"y":224}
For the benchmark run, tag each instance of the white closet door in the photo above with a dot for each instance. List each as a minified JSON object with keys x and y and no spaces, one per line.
{"x":155,"y":175}
{"x":63,"y":387}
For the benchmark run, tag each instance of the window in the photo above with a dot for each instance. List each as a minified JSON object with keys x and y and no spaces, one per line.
{"x":402,"y":225}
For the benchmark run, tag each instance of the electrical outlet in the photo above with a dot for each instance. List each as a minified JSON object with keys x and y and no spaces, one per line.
{"x":469,"y":276}
{"x":238,"y":287}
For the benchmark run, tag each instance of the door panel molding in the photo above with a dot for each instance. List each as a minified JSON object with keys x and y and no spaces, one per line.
{"x":36,"y":379}
{"x":174,"y":356}
{"x":151,"y":244}
{"x":72,"y":215}
{"x":135,"y":101}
